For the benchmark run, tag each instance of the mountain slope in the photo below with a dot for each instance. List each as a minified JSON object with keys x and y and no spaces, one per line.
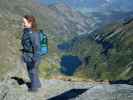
{"x":120,"y":58}
{"x":118,"y":5}
{"x":106,"y":53}
{"x":58,"y":24}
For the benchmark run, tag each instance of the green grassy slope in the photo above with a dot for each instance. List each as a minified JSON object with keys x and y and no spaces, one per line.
{"x":118,"y":63}
{"x":58,"y":25}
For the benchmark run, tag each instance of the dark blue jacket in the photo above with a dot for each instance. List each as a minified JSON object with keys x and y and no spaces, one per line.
{"x":30,"y":44}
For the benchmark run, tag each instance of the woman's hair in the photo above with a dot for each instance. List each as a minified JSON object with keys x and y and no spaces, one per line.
{"x":31,"y":19}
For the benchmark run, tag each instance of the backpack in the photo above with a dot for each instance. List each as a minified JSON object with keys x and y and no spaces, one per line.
{"x":43,"y":43}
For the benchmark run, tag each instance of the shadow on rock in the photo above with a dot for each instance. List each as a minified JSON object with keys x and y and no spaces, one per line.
{"x":20,"y":81}
{"x":129,"y":81}
{"x":69,"y":94}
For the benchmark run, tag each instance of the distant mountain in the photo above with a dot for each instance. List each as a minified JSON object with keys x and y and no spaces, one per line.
{"x":102,"y":11}
{"x":104,"y":18}
{"x":107,"y":53}
{"x":119,"y":5}
{"x":70,"y":21}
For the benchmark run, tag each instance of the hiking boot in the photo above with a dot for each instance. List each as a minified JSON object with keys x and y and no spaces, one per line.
{"x":33,"y":89}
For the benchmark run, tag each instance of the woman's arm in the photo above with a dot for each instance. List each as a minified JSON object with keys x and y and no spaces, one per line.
{"x":35,"y":45}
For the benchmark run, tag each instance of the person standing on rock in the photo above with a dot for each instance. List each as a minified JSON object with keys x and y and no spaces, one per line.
{"x":30,"y":51}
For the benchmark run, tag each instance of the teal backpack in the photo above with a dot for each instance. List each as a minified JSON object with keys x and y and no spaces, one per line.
{"x":43,"y":43}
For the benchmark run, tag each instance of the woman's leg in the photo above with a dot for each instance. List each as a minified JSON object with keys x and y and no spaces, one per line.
{"x":36,"y":64}
{"x":32,"y":68}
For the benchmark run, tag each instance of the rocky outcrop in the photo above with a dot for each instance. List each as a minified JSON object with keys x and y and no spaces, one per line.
{"x":108,"y":92}
{"x":16,"y":89}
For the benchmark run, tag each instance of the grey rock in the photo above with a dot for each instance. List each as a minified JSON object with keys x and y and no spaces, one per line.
{"x":108,"y":92}
{"x":11,"y":90}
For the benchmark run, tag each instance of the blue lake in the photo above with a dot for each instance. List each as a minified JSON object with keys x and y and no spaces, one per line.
{"x":69,"y":64}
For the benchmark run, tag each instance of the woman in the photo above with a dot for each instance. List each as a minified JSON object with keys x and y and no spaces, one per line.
{"x":30,"y":50}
